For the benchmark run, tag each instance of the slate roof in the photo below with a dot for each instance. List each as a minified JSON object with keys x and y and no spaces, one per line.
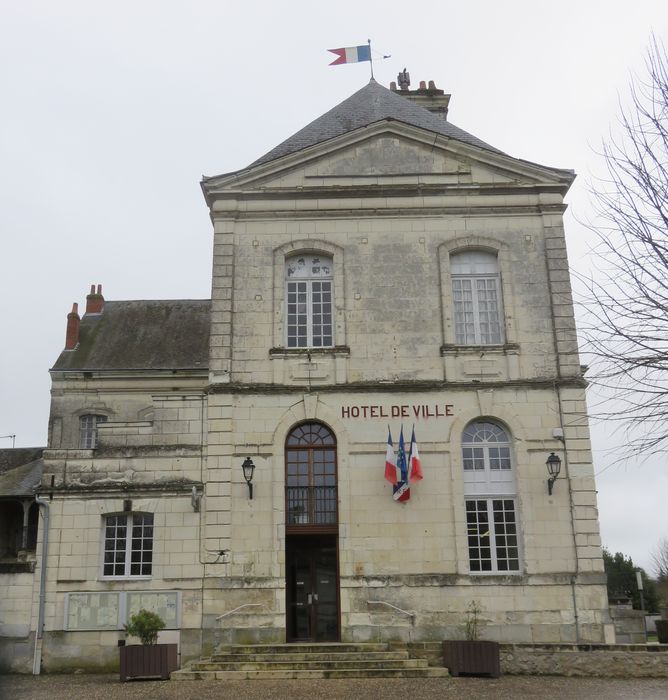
{"x":20,"y":470}
{"x":142,"y":335}
{"x":373,"y":103}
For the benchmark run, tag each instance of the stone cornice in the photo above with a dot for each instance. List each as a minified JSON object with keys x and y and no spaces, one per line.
{"x":113,"y":488}
{"x":395,"y":386}
{"x":467,"y":211}
{"x":415,"y":189}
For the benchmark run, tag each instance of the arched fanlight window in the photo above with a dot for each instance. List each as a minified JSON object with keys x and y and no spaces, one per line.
{"x":310,"y":476}
{"x":485,"y":446}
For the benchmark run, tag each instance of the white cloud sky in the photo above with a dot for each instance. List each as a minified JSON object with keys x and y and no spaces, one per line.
{"x":111,"y":112}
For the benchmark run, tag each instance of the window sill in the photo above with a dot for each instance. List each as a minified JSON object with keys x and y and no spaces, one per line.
{"x":496,"y":576}
{"x":126,"y":578}
{"x":505,"y":349}
{"x":335,"y":351}
{"x":17,"y":567}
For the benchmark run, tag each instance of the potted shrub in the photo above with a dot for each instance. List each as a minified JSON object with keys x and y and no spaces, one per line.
{"x":472,"y":655}
{"x":148,"y":659}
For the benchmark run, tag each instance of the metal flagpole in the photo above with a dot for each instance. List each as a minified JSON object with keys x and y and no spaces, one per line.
{"x":370,"y":58}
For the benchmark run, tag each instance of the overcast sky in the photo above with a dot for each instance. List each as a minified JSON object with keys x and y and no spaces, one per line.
{"x":111,"y":112}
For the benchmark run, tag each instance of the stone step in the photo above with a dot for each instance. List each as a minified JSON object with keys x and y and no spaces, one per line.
{"x":308,"y":665}
{"x":301,"y":661}
{"x":314,"y":656}
{"x":301,"y":674}
{"x":329,"y":647}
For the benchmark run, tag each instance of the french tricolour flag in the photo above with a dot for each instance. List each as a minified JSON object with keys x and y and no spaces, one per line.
{"x":351,"y":54}
{"x":390,"y":460}
{"x":414,"y":463}
{"x":401,"y":491}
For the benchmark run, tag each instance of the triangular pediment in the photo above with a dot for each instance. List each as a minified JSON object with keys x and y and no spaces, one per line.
{"x":389,"y":153}
{"x":386,"y":155}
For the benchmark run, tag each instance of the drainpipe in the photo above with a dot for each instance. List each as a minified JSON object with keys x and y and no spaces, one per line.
{"x":39,"y":632}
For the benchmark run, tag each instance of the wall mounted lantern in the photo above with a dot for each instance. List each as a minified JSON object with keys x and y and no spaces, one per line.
{"x":553,"y":465}
{"x":248,"y":469}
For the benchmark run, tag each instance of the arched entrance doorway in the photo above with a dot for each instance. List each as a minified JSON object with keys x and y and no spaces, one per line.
{"x":311,"y":542}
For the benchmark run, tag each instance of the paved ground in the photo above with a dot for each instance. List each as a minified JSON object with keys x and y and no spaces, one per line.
{"x":106,"y":687}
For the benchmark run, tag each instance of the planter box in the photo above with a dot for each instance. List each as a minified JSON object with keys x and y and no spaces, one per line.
{"x":148,"y":661}
{"x":476,"y":658}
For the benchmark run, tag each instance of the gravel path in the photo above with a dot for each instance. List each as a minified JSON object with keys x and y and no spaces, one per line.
{"x":108,"y":687}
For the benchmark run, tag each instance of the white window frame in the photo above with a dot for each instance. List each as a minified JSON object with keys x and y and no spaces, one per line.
{"x":497,"y":534}
{"x":476,"y":273}
{"x":131,"y":519}
{"x":306,"y":284}
{"x":88,"y":423}
{"x":489,"y":487}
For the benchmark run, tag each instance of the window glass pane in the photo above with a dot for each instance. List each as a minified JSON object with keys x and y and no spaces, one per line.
{"x":507,"y":555}
{"x":473,"y":262}
{"x":134,"y":531}
{"x":309,"y":302}
{"x":476,"y":301}
{"x":88,"y":430}
{"x":311,"y":491}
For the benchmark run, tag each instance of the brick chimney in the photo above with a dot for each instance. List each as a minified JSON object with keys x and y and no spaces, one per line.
{"x":73,"y":321}
{"x":427,"y":95}
{"x":95,"y":300}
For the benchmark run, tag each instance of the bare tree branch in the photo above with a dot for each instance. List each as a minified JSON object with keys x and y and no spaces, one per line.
{"x":626,"y":329}
{"x":660,"y":560}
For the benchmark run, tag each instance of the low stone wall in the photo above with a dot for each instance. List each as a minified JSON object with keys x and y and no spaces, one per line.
{"x":586,"y":660}
{"x":598,"y":660}
{"x":16,"y":654}
{"x":629,"y":624}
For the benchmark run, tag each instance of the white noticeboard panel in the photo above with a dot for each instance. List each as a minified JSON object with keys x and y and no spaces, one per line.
{"x":92,"y":611}
{"x":163,"y":603}
{"x":112,"y":610}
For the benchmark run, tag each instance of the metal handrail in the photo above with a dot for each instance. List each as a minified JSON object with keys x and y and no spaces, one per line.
{"x":241,"y":607}
{"x":412,"y":615}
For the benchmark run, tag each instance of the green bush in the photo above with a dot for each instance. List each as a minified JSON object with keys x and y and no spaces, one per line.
{"x":662,"y":631}
{"x":145,"y":625}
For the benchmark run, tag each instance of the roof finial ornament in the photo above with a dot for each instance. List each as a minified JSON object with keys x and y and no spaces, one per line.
{"x":404,"y":80}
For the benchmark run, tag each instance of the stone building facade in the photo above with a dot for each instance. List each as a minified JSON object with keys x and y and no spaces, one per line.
{"x":379,"y":271}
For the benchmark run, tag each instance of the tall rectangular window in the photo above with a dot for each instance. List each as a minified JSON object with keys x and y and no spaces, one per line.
{"x":309,"y":302}
{"x":128,"y":545}
{"x":88,"y":430}
{"x":476,"y":298}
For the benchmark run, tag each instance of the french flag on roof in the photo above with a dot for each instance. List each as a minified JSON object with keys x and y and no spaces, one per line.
{"x":351,"y":54}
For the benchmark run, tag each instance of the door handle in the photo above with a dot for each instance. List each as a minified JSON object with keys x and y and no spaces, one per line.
{"x":309,"y":599}
{"x":315,"y":597}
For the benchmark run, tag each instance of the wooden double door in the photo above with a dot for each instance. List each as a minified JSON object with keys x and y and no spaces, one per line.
{"x":312,"y":588}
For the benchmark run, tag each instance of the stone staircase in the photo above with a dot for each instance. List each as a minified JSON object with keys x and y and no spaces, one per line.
{"x":289,"y":661}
